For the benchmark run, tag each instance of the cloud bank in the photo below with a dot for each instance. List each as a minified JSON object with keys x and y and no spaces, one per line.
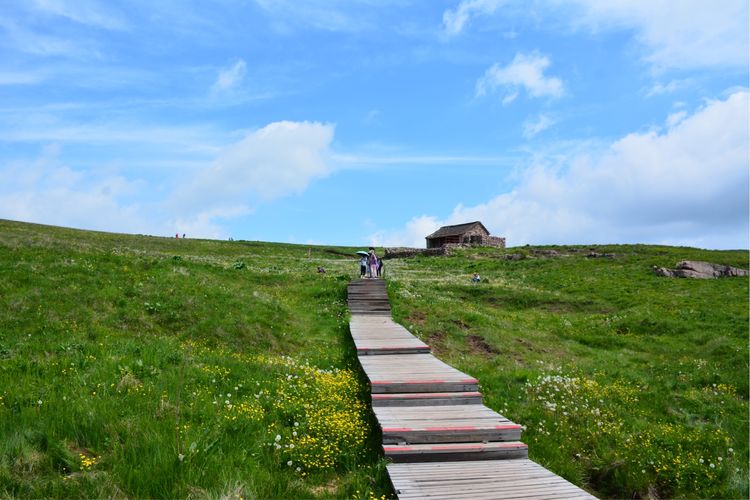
{"x":688,"y":34}
{"x":686,"y":184}
{"x":280,"y":159}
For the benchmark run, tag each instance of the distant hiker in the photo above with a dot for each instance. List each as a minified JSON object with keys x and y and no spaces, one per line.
{"x":381,"y":268}
{"x":177,"y":235}
{"x":363,"y":266}
{"x":372,"y":260}
{"x":476,"y":278}
{"x":183,"y":236}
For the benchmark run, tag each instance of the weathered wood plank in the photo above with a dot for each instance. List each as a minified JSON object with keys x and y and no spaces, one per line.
{"x":427,"y":399}
{"x":515,"y":478}
{"x":456,"y":451}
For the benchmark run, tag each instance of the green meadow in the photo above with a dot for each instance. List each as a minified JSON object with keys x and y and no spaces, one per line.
{"x":138,"y":366}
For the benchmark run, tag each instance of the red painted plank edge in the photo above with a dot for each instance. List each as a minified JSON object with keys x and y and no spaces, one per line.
{"x":426,"y":381}
{"x":418,"y":395}
{"x":461,"y":428}
{"x":458,"y":447}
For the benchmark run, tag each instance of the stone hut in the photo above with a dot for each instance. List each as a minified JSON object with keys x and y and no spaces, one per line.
{"x":468,"y":234}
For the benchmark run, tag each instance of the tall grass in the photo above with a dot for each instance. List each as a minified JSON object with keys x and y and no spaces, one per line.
{"x":135,"y":366}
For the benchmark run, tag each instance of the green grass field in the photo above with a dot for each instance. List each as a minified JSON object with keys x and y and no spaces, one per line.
{"x":136,"y":366}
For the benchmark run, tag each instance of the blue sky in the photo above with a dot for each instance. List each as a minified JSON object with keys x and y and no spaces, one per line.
{"x":376,"y":121}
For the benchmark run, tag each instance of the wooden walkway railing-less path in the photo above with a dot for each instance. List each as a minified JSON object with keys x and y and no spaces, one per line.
{"x":443,"y":442}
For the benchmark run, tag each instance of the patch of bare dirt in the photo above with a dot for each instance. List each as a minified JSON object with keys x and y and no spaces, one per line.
{"x":479,"y":346}
{"x":416,"y":318}
{"x":436,"y":342}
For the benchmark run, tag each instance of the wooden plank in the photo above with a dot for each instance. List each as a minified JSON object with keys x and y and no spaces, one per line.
{"x":515,"y":478}
{"x":448,"y":434}
{"x":427,"y":399}
{"x":438,"y":412}
{"x":455,"y":451}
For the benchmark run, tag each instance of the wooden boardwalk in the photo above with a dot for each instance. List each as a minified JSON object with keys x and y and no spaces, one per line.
{"x":442,"y":441}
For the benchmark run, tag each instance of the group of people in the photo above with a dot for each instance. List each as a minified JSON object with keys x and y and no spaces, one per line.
{"x":370,"y":266}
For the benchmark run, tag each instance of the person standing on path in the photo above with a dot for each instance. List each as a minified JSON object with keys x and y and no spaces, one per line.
{"x":372,"y":260}
{"x":363,"y":266}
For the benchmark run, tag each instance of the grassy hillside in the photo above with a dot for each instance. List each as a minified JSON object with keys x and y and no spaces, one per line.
{"x":629,"y":383}
{"x":153,"y":367}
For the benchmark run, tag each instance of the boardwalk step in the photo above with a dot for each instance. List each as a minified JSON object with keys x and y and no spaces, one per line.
{"x":490,"y":479}
{"x":380,"y":335}
{"x":456,"y":451}
{"x":392,"y":349}
{"x":427,"y":399}
{"x":466,"y":431}
{"x":444,"y":424}
{"x":424,"y":385}
{"x":414,"y":373}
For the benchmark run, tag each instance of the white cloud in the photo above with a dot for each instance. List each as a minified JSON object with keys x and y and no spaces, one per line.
{"x":47,"y":191}
{"x":280,"y":159}
{"x":455,"y":20}
{"x":329,"y":15}
{"x":413,"y":235}
{"x":204,"y":225}
{"x":676,"y":118}
{"x":29,"y":42}
{"x":229,"y":78}
{"x":525,"y":71}
{"x":659,"y":88}
{"x":88,"y":12}
{"x":688,"y":183}
{"x":534,"y":127}
{"x":684,"y":34}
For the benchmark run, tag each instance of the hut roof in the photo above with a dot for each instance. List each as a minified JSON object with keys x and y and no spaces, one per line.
{"x":455,"y":230}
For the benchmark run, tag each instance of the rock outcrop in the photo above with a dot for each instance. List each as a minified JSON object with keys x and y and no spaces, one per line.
{"x":702,"y":270}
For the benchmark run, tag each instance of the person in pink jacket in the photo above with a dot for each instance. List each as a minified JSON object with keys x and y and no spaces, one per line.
{"x":372,"y":260}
